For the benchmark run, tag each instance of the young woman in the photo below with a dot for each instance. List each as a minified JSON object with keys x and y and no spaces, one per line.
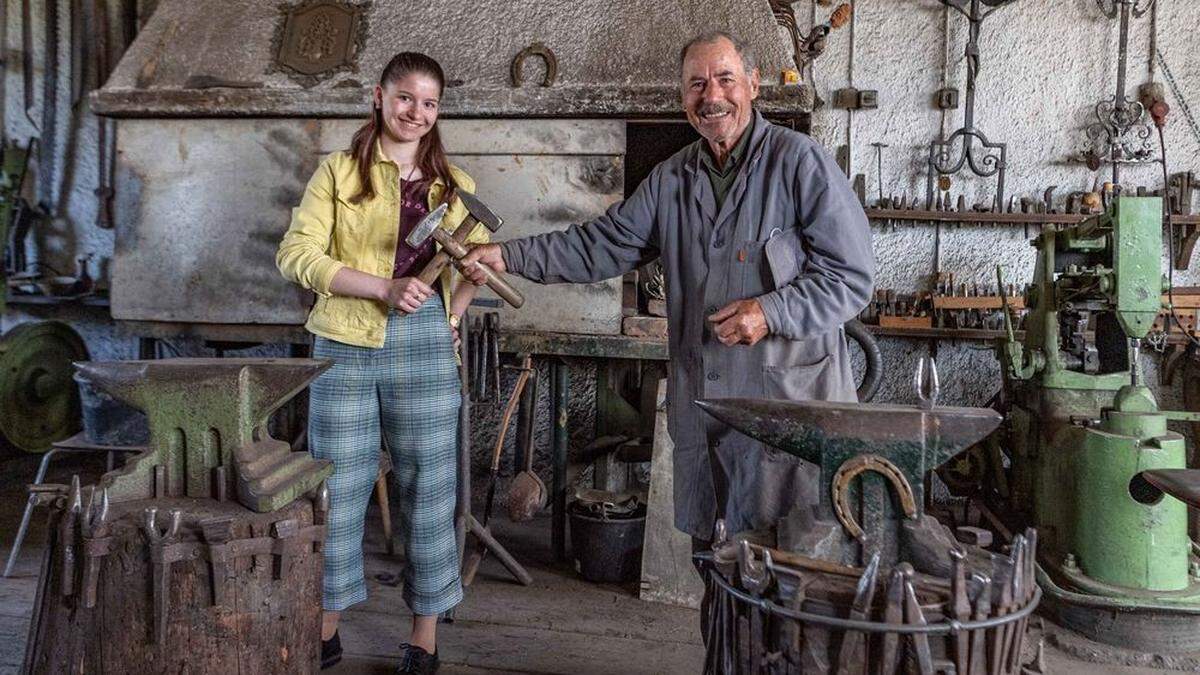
{"x":392,"y":339}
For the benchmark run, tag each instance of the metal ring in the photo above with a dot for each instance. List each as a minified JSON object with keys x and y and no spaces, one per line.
{"x":946,"y":628}
{"x":535,"y":49}
{"x":849,"y":470}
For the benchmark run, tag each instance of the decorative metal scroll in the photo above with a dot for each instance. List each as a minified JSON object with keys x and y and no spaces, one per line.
{"x":968,"y":146}
{"x":317,"y":38}
{"x":1121,"y":133}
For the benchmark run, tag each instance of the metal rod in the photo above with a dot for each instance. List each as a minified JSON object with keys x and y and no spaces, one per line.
{"x":21,"y":530}
{"x":559,"y":385}
{"x":1119,"y":102}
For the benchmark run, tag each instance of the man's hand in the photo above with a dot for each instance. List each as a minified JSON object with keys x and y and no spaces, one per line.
{"x":487,"y":254}
{"x":457,"y":341}
{"x":740,"y":323}
{"x":406,"y":293}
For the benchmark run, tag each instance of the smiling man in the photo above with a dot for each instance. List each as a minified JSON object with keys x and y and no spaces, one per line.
{"x":766,"y":253}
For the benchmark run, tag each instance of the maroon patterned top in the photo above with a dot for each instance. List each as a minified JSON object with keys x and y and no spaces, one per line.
{"x":414,"y":206}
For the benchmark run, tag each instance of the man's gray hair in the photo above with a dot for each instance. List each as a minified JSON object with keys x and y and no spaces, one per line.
{"x":709,"y":37}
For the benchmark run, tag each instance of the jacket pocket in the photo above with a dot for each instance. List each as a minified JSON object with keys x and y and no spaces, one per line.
{"x":784,"y":253}
{"x":814,"y":381}
{"x":751,"y":269}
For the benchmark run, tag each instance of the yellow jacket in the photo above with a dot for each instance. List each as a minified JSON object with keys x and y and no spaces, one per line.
{"x":328,"y":233}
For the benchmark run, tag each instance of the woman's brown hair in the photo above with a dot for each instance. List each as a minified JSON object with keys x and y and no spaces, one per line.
{"x":431,"y":156}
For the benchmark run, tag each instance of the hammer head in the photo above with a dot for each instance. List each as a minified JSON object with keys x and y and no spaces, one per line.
{"x":426,"y":227}
{"x":480,"y":212}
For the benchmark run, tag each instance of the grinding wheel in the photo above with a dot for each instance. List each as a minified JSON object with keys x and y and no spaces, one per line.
{"x":39,"y":402}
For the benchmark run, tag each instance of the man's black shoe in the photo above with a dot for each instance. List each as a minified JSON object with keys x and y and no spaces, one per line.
{"x":331,"y":651}
{"x":417,"y":661}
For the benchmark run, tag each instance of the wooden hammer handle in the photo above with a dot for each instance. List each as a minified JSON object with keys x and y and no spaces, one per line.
{"x":494,"y":281}
{"x":434,"y":267}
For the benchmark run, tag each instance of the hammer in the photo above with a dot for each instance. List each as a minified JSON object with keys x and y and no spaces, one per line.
{"x":452,"y":245}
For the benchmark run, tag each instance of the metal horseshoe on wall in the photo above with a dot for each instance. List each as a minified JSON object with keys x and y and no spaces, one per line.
{"x":535,"y":49}
{"x":850,"y":469}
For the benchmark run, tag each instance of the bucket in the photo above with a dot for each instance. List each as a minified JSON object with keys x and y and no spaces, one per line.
{"x":607,"y":548}
{"x":107,"y":421}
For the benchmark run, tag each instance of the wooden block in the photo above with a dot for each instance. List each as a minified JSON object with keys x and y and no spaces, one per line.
{"x":668,"y":575}
{"x":644,"y":326}
{"x":976,"y":302}
{"x":905,"y":322}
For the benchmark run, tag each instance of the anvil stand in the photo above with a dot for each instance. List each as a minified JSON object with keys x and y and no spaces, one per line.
{"x":901,"y":444}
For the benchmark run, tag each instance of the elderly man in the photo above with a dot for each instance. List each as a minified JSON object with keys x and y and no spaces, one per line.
{"x":766,"y":253}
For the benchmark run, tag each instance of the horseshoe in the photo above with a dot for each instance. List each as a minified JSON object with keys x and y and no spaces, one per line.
{"x":535,"y":49}
{"x":851,"y":469}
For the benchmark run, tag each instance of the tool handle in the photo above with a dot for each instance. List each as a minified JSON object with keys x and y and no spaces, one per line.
{"x":433,"y":268}
{"x":502,"y":288}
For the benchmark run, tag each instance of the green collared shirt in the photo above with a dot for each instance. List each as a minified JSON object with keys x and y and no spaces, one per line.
{"x":722,"y":178}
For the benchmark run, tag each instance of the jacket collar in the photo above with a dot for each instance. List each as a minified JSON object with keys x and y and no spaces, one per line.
{"x":380,"y":158}
{"x":695,"y":160}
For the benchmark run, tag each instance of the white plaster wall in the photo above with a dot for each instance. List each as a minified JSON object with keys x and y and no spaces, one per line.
{"x":1044,"y":64}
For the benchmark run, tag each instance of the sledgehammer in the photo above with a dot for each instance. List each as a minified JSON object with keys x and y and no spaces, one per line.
{"x":453,"y":249}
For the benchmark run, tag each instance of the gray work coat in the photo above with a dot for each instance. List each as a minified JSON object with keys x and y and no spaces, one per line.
{"x":792,"y":234}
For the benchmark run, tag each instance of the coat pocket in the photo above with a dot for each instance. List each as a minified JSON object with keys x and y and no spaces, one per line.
{"x":814,"y":381}
{"x":752,"y":269}
{"x":784,"y":252}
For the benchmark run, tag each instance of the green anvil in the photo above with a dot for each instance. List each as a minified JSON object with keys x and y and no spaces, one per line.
{"x":208,"y":429}
{"x":914,"y":439}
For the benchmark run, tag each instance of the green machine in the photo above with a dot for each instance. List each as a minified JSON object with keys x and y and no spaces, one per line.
{"x":1088,"y":448}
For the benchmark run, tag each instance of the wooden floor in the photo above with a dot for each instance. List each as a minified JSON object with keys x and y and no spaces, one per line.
{"x":560,"y":624}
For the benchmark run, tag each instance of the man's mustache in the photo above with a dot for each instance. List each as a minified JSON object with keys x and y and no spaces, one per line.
{"x":714,"y":109}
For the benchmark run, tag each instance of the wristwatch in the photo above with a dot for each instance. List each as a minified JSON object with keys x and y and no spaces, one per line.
{"x":455,"y":320}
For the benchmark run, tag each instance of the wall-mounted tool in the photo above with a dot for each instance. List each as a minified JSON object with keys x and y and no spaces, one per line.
{"x":807,"y":47}
{"x":1120,"y":134}
{"x":943,"y":159}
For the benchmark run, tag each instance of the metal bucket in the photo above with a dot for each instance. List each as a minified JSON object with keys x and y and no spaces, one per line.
{"x":608,"y":548}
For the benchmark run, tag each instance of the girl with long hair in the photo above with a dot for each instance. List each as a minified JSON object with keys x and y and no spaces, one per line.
{"x":393,"y":341}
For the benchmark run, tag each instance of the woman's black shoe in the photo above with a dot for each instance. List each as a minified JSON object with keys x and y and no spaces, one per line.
{"x":331,"y":651}
{"x":416,"y":660}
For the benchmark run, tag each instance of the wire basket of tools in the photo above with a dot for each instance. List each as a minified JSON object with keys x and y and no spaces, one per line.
{"x":772,"y":611}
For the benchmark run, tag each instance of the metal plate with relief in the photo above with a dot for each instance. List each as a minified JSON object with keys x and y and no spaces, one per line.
{"x":317,"y":38}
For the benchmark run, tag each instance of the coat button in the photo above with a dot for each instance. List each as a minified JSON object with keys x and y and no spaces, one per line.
{"x":713,"y":377}
{"x":719,"y":243}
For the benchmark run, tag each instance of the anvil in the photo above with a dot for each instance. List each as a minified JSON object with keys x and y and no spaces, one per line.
{"x":208,"y":434}
{"x":850,"y":437}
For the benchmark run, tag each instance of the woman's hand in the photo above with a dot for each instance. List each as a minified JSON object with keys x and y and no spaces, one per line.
{"x":406,"y":293}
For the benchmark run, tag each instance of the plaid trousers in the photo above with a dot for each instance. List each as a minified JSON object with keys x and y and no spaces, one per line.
{"x":408,"y":389}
